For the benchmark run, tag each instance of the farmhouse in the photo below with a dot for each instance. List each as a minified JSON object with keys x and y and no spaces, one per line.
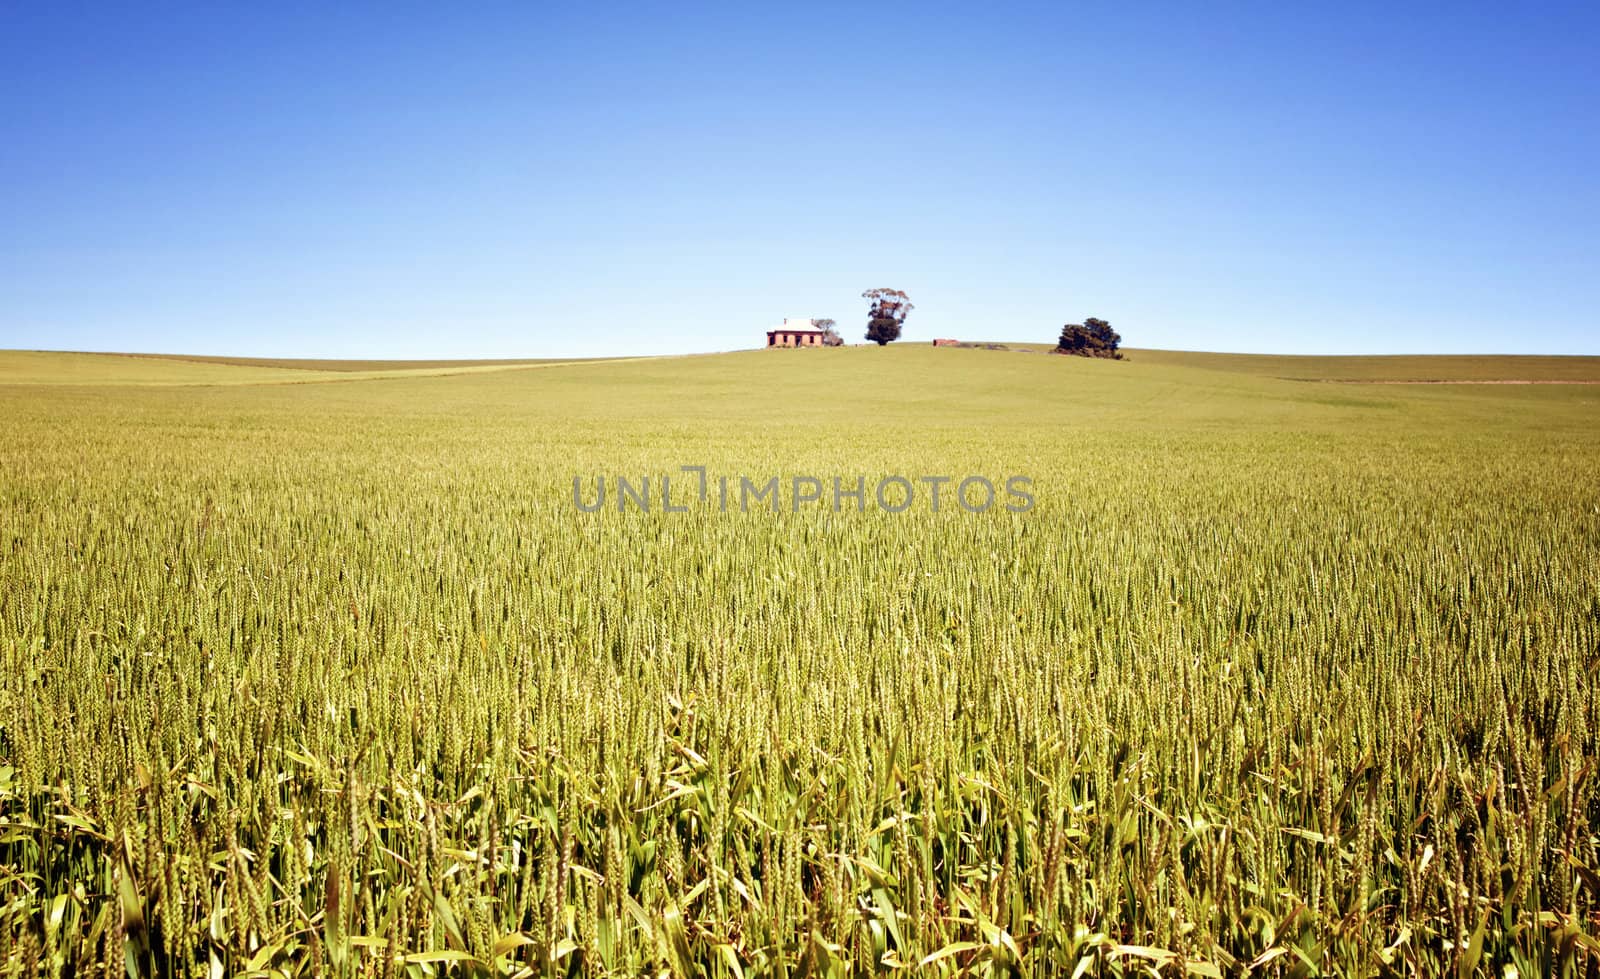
{"x":795,"y":333}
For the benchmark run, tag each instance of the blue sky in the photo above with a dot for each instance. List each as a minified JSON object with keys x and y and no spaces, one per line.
{"x":540,"y":180}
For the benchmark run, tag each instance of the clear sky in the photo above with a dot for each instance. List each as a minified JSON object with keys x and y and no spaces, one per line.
{"x":531,"y":179}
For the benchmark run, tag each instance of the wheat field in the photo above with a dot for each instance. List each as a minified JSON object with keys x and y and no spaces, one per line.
{"x":332,"y":677}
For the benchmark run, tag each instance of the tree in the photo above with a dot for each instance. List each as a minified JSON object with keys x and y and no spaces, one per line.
{"x":830,"y":337}
{"x":1093,"y":338}
{"x":887,"y":314}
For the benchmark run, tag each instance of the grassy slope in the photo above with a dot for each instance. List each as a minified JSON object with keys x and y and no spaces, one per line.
{"x":904,"y":389}
{"x":299,"y":363}
{"x":1374,"y":368}
{"x":42,"y":367}
{"x":1487,"y":367}
{"x":34,"y":367}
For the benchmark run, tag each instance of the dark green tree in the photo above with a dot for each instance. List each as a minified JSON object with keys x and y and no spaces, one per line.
{"x":1091,"y":338}
{"x":886,"y":315}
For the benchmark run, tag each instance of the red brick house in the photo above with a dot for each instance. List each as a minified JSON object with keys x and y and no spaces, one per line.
{"x":794,"y":333}
{"x":794,"y":338}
